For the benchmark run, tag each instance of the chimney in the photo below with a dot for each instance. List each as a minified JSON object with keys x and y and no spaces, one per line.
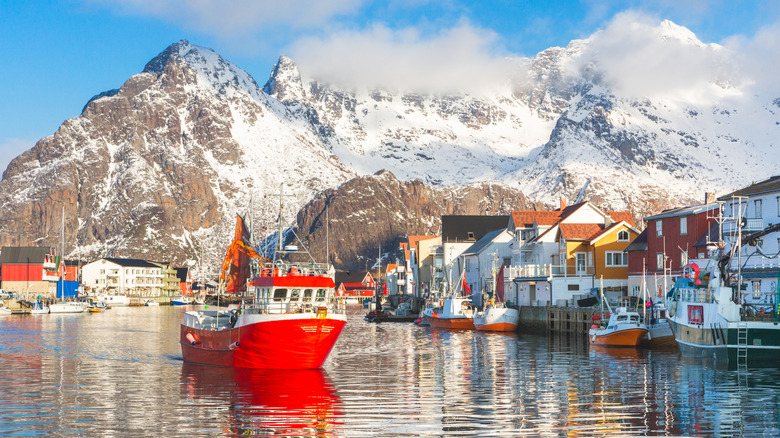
{"x":709,"y":197}
{"x":607,"y":221}
{"x":563,"y":203}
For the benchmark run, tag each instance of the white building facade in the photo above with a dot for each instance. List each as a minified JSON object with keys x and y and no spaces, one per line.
{"x":122,"y":276}
{"x":757,"y":208}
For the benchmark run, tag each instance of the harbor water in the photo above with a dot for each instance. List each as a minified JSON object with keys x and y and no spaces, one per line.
{"x":120,"y":373}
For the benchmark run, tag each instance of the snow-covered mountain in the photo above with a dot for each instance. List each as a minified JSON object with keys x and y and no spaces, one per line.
{"x":159,"y":167}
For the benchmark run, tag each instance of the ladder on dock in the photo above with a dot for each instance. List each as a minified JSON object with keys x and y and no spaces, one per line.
{"x":742,"y":343}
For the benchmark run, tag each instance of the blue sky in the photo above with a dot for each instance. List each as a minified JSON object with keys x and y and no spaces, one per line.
{"x":58,"y":54}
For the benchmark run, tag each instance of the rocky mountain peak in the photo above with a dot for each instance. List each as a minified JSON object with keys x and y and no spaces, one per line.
{"x":213,"y":72}
{"x":669,"y":31}
{"x":285,"y":82}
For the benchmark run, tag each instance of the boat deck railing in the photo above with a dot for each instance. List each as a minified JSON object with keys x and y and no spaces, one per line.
{"x":696,"y":295}
{"x":280,"y":307}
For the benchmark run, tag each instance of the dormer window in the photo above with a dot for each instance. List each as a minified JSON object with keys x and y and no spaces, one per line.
{"x":471,"y":235}
{"x":622,"y":236}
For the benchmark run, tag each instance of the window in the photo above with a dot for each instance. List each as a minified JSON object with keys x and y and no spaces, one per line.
{"x":757,"y":213}
{"x":622,"y":236}
{"x":659,"y":261}
{"x":574,"y":287}
{"x":471,"y":235}
{"x":615,"y":258}
{"x":307,"y":295}
{"x":683,"y":225}
{"x":683,"y":258}
{"x":280,"y":294}
{"x":659,"y":228}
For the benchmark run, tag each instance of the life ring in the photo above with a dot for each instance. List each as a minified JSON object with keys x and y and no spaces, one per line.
{"x":695,"y":269}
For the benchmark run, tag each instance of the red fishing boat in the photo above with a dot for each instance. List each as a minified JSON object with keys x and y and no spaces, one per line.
{"x":289,"y":317}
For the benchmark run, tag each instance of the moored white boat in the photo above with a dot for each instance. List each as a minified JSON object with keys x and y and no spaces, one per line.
{"x":113,"y":300}
{"x":68,"y":307}
{"x":708,"y":312}
{"x":497,"y":317}
{"x":151,"y":303}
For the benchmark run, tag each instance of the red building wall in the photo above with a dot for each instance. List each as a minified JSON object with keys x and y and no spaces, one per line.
{"x":34,"y":272}
{"x":672,"y":243}
{"x":22,"y":272}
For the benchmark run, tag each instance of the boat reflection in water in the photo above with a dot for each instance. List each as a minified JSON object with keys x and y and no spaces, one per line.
{"x":266,"y":402}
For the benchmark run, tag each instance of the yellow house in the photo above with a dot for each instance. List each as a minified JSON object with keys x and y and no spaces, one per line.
{"x":595,"y":249}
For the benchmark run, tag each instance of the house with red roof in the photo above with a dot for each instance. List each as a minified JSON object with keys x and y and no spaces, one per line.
{"x":355,"y":285}
{"x":560,"y":255}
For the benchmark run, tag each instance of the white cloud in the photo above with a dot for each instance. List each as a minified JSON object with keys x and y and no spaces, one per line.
{"x":12,"y":148}
{"x":231,"y":18}
{"x":464,"y":58}
{"x":758,"y":58}
{"x":639,"y":57}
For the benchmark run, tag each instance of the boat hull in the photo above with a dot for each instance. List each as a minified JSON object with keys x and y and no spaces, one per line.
{"x":450,"y":323}
{"x":659,"y":335}
{"x":617,"y":338}
{"x":66,"y":308}
{"x":498,"y":320}
{"x":290,"y":343}
{"x":762,"y":342}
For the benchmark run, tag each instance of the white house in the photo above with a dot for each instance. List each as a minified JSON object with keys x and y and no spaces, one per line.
{"x":122,"y":276}
{"x":458,"y":233}
{"x":757,"y":208}
{"x":483,"y":259}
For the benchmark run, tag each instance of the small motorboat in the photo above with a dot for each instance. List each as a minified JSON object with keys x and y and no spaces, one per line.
{"x":38,"y":308}
{"x":151,"y":303}
{"x":624,"y":329}
{"x":96,"y":306}
{"x":181,"y":301}
{"x":454,"y":313}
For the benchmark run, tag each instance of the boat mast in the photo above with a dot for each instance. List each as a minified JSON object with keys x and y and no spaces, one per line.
{"x":327,"y":237}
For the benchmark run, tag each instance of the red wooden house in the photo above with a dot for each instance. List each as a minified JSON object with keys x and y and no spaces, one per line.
{"x":355,"y":285}
{"x":670,"y":241}
{"x":34,"y":270}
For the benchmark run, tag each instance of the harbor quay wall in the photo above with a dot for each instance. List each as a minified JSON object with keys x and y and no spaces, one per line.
{"x":556,"y":319}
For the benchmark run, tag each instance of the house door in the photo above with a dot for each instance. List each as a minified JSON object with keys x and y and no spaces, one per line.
{"x":580,"y":268}
{"x":532,"y":293}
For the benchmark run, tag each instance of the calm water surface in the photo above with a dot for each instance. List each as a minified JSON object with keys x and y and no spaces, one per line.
{"x":120,"y":373}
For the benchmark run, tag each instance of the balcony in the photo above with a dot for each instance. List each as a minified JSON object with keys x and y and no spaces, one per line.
{"x":751,"y":225}
{"x":549,"y":271}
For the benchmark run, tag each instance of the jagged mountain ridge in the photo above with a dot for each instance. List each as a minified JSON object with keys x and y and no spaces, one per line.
{"x":374,"y":212}
{"x":159,"y":167}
